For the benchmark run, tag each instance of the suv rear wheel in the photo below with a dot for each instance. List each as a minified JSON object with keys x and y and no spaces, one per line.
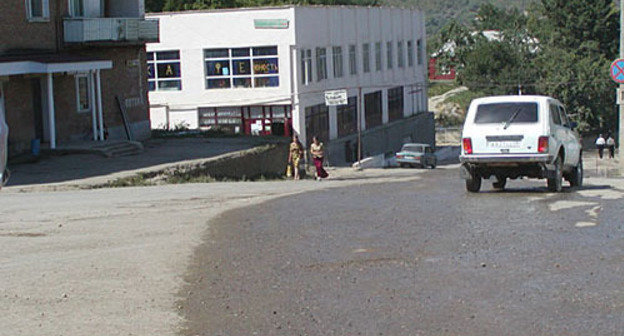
{"x":500,"y":183}
{"x":555,"y":183}
{"x":473,"y":184}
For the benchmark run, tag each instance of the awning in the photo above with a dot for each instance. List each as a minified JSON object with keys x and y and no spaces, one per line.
{"x":50,"y":63}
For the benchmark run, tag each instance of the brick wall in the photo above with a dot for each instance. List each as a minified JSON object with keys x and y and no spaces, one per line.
{"x":18,"y":33}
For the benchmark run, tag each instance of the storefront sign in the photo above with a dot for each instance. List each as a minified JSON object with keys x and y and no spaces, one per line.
{"x":271,"y":24}
{"x":336,"y":97}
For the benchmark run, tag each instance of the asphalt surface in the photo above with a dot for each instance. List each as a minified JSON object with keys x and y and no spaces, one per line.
{"x":417,"y":257}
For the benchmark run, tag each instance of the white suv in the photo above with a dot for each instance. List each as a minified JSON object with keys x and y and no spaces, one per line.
{"x":519,"y":136}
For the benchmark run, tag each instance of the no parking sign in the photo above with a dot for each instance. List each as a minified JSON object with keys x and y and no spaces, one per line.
{"x":617,"y":71}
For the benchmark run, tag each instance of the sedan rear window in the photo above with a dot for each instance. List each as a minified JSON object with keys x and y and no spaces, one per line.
{"x":412,"y":148}
{"x":506,"y":112}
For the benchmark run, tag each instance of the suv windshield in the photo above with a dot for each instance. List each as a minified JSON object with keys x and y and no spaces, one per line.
{"x":504,"y":112}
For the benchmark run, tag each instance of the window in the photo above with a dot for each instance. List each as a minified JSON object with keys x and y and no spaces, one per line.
{"x":419,"y":52}
{"x":76,"y":8}
{"x":337,"y":57}
{"x":378,"y":56}
{"x":400,"y":56}
{"x":306,"y":66}
{"x":317,"y":122}
{"x":501,"y":113}
{"x":564,"y":118}
{"x":410,"y":54}
{"x":321,"y":64}
{"x":389,"y":54}
{"x":352,"y":60}
{"x":554,"y":115}
{"x":163,"y":71}
{"x":241,"y":67}
{"x":366,"y":57}
{"x":372,"y":109}
{"x":347,"y":117}
{"x":395,"y":103}
{"x":83,"y":93}
{"x":38,"y":10}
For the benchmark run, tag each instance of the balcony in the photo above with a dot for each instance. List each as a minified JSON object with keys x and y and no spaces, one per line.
{"x":110,"y":30}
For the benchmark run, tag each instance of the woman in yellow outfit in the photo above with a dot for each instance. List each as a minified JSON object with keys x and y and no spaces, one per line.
{"x":295,"y":154}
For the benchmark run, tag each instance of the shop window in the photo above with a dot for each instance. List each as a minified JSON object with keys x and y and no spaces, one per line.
{"x":337,"y":61}
{"x":352,"y":60}
{"x":306,"y":66}
{"x":317,"y":122}
{"x":241,"y":67}
{"x":38,"y":10}
{"x":347,"y":117}
{"x":410,"y":54}
{"x":378,"y":56}
{"x":372,"y":109}
{"x":321,"y":64}
{"x":163,"y":71}
{"x":389,"y":54}
{"x":395,"y":103}
{"x":83,"y":93}
{"x":366,"y":57}
{"x":400,"y":55}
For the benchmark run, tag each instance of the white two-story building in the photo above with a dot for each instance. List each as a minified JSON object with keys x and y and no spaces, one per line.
{"x":265,"y":70}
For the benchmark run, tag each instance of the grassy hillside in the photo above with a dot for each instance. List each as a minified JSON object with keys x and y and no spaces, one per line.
{"x":439,"y":12}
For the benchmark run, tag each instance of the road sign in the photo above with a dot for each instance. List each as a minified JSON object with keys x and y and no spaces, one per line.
{"x":619,"y":96}
{"x":336,"y":97}
{"x":617,"y":71}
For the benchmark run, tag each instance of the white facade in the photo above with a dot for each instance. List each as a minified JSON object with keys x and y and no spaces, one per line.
{"x":296,"y":32}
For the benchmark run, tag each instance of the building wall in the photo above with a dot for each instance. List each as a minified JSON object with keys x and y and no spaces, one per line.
{"x":191,"y":33}
{"x":18,"y":33}
{"x":327,"y":27}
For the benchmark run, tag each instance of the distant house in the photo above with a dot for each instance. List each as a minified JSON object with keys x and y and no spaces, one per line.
{"x":448,"y":73}
{"x":442,"y":73}
{"x":64,"y":63}
{"x":262,"y":71}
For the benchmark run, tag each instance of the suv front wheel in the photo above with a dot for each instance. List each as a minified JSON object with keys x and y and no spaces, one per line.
{"x":555,"y":183}
{"x":576,"y":177}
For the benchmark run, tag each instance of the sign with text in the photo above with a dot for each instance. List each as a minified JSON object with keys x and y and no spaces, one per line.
{"x":336,"y":97}
{"x":271,"y":24}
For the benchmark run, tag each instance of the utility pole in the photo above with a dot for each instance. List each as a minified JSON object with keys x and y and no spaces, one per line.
{"x":621,"y":107}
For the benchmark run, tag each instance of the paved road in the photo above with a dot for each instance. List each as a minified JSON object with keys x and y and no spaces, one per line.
{"x":414,"y":258}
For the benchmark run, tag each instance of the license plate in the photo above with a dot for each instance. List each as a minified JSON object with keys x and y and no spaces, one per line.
{"x":503,"y":144}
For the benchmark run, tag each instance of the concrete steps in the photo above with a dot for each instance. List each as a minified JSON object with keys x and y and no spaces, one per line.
{"x":119,"y":148}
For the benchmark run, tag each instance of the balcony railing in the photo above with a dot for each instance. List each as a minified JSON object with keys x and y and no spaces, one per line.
{"x":94,"y":30}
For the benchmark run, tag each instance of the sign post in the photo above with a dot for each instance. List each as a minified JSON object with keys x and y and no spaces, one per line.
{"x":617,"y":74}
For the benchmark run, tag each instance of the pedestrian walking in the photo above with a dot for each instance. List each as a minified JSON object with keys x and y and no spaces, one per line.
{"x":295,"y":153}
{"x":611,"y":146}
{"x":318,"y":155}
{"x":600,"y":144}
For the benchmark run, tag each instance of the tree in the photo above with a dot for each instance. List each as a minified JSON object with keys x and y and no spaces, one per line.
{"x":577,"y":41}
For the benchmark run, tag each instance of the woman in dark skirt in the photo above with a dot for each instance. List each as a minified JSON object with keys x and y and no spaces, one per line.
{"x":318,"y":154}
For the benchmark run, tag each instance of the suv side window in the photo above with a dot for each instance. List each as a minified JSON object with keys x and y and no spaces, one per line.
{"x":554,"y":115}
{"x":564,"y":118}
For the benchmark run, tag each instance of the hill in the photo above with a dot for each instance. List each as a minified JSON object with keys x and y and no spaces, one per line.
{"x":439,"y":12}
